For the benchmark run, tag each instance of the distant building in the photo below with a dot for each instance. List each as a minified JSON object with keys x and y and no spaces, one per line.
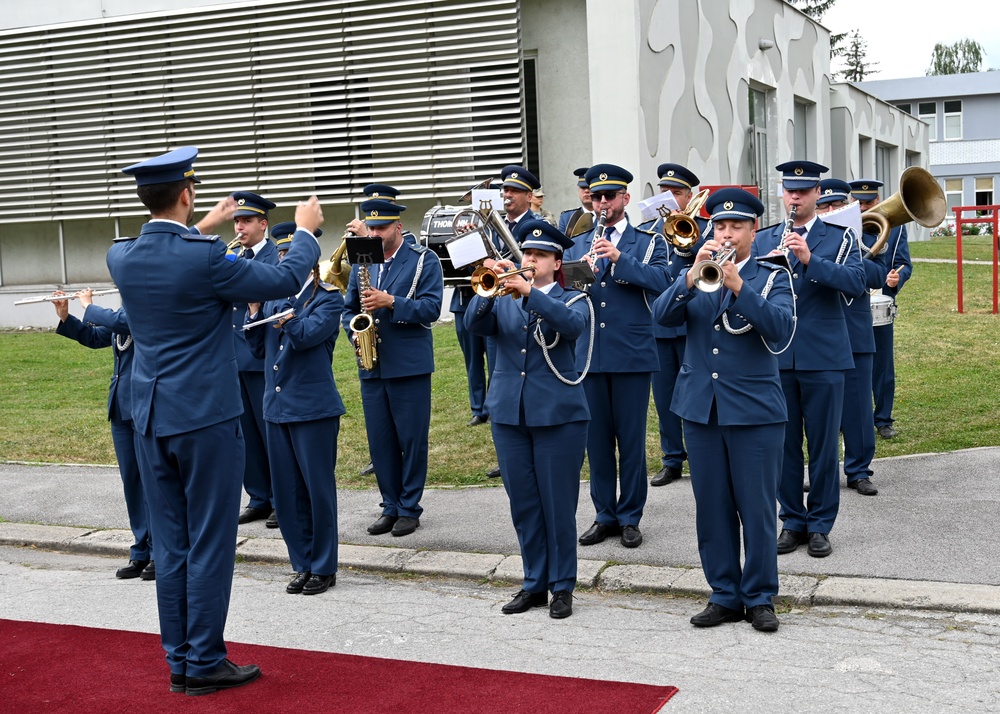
{"x":293,"y":97}
{"x":961,"y":113}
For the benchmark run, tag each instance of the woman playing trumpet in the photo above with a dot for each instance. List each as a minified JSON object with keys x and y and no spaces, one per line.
{"x":729,"y":395}
{"x":539,"y":413}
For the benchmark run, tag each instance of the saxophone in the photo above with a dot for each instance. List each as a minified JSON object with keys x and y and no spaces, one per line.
{"x":363,"y":326}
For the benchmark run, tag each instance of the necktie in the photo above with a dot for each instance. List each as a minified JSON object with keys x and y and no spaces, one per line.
{"x":383,"y":272}
{"x":609,"y":235}
{"x":801,"y":230}
{"x":247,"y":253}
{"x":511,"y":225}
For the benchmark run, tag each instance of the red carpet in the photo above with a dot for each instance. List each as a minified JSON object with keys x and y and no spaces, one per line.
{"x":64,"y":668}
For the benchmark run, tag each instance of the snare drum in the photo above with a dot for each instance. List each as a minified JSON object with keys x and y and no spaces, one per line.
{"x":883,"y":310}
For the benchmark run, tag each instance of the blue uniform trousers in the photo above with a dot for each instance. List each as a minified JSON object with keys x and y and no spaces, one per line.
{"x":256,"y":472}
{"x":671,"y":353}
{"x":734,"y":474}
{"x":398,"y":419}
{"x":541,"y":473}
{"x":304,"y":460}
{"x":815,"y":398}
{"x":856,"y":422}
{"x":883,"y":375}
{"x":479,"y":358}
{"x":126,"y":446}
{"x":618,"y":405}
{"x":192,"y":484}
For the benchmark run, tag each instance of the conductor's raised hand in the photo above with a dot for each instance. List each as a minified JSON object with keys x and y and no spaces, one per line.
{"x":309,"y":215}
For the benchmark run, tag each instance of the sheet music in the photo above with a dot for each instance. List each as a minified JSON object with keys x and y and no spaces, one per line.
{"x":272,"y":318}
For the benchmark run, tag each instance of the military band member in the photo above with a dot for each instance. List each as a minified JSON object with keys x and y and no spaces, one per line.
{"x":303,"y":408}
{"x":680,"y":182}
{"x":404,"y":300}
{"x":856,"y":420}
{"x":729,"y":395}
{"x":631,"y":272}
{"x":567,"y":217}
{"x":99,"y":328}
{"x":384,"y":192}
{"x":539,"y":419}
{"x":250,"y":225}
{"x":177,"y":286}
{"x":901,"y":268}
{"x":825,"y":263}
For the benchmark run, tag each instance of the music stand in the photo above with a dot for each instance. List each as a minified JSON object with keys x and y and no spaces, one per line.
{"x":578,"y":273}
{"x":364,"y":250}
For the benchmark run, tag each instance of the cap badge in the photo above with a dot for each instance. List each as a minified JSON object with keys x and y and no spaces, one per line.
{"x":603,"y":177}
{"x":864,"y":187}
{"x":376,"y":194}
{"x":670,"y":172}
{"x":728,"y":205}
{"x":241,"y":201}
{"x":514,"y":175}
{"x":537,"y":233}
{"x":828,"y":191}
{"x":799,"y":171}
{"x":374,"y":214}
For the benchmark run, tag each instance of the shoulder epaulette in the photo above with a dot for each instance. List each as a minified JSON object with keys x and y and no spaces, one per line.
{"x":417,"y":248}
{"x":199,"y":236}
{"x":770,"y":266}
{"x":767,"y":228}
{"x":327,"y":286}
{"x":646,"y":231}
{"x":120,"y":239}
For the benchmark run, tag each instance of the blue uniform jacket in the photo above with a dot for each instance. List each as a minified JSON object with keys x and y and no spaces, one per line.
{"x":178,"y":288}
{"x":405,"y":344}
{"x":675,"y":264}
{"x":522,"y":381}
{"x":245,"y":361}
{"x":622,"y":294}
{"x":99,"y":328}
{"x":736,"y":372}
{"x":298,"y":357}
{"x":821,"y":341}
{"x":859,"y":313}
{"x":898,"y":258}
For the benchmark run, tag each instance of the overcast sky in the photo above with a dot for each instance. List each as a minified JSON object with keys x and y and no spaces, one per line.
{"x":901,"y":34}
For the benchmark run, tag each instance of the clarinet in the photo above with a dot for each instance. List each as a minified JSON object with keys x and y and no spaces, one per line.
{"x":599,"y":231}
{"x":780,"y":259}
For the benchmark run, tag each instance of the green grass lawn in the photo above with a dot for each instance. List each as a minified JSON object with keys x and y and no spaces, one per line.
{"x":53,"y":393}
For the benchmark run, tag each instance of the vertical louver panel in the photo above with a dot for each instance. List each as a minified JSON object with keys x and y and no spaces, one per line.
{"x":287,"y":97}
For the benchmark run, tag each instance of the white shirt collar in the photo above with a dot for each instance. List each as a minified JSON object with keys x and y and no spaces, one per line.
{"x":167,"y":220}
{"x":256,"y":245}
{"x":546,"y":288}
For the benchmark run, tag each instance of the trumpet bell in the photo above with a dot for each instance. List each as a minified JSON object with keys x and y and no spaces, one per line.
{"x":488,"y":283}
{"x":681,"y":229}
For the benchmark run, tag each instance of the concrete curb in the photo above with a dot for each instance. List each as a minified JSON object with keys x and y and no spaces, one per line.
{"x":795,"y":590}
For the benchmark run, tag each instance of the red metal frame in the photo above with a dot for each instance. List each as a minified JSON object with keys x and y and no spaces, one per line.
{"x":995,"y":221}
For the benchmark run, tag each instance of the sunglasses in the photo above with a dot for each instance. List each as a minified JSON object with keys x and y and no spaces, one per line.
{"x":608,"y":196}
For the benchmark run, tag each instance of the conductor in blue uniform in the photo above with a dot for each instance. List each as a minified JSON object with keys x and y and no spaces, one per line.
{"x":856,"y":420}
{"x":539,"y":413}
{"x":729,"y":395}
{"x":303,"y":408}
{"x":680,"y":182}
{"x":404,"y":300}
{"x":100,"y":328}
{"x":250,"y":224}
{"x":826,"y":268}
{"x":866,"y":191}
{"x":178,"y":287}
{"x":631,"y":271}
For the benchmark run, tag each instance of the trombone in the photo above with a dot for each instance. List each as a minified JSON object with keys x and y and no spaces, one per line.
{"x":681,"y":230}
{"x":708,"y":275}
{"x":54,"y":298}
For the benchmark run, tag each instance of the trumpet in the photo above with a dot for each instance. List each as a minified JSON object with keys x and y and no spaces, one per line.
{"x":707,"y":275}
{"x":489,"y":282}
{"x":234,"y":242}
{"x":681,"y":230}
{"x":54,"y":298}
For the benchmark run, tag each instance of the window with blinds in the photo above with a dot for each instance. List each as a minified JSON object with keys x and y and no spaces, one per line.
{"x":287,"y":98}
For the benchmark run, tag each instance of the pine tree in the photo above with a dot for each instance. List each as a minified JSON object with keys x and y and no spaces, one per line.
{"x":856,"y":64}
{"x":963,"y":56}
{"x":816,"y":9}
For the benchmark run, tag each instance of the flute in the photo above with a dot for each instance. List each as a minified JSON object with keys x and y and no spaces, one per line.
{"x":53,"y":298}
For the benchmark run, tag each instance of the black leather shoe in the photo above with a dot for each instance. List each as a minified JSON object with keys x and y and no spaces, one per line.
{"x":249,"y":515}
{"x":561,"y":605}
{"x":298,"y":582}
{"x":405,"y":525}
{"x":493,"y":473}
{"x":668,"y":474}
{"x":226,"y":676}
{"x":368,"y":470}
{"x":149,"y":572}
{"x":819,"y":545}
{"x":272,"y":520}
{"x":384,"y":524}
{"x":132,"y":570}
{"x":631,"y":537}
{"x":887,"y":432}
{"x":178,"y":683}
{"x":477,"y":420}
{"x":598,"y":532}
{"x":863,"y":486}
{"x":716,"y":614}
{"x":789,"y":541}
{"x":319,"y":584}
{"x":762,"y":618}
{"x":524,"y":601}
